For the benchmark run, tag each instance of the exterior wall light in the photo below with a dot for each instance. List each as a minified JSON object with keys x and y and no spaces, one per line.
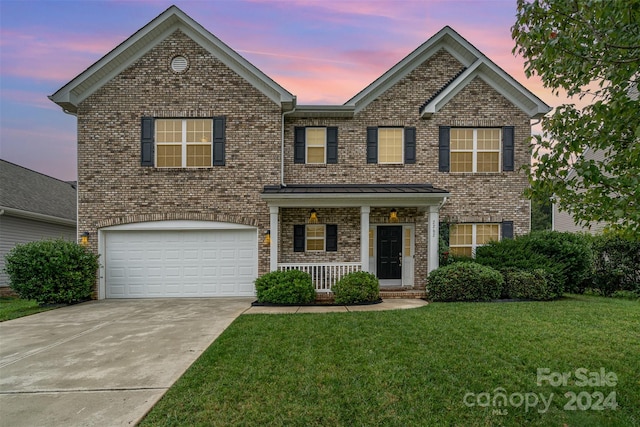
{"x":313,"y":217}
{"x":393,"y":215}
{"x":267,"y":238}
{"x":84,"y":238}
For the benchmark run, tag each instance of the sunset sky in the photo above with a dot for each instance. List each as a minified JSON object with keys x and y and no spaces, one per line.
{"x":322,"y":51}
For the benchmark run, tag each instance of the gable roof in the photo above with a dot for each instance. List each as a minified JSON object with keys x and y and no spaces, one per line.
{"x":27,"y":193}
{"x":132,"y":49}
{"x":477,"y":65}
{"x":474,"y":64}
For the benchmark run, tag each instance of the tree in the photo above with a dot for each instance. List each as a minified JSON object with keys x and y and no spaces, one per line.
{"x":540,"y":215}
{"x":588,"y":48}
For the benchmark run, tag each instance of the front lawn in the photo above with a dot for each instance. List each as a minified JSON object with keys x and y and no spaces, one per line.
{"x":443,"y":364}
{"x":14,"y":307}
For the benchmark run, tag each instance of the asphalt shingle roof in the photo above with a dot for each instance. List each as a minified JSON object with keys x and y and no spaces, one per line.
{"x":31,"y":191}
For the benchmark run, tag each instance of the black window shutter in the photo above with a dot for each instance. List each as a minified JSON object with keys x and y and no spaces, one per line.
{"x":372,"y":145}
{"x":332,"y":237}
{"x":444,"y":228}
{"x":298,"y":238}
{"x":146,"y":142}
{"x":444,"y":148}
{"x":508,"y":148}
{"x":507,"y":229}
{"x":409,"y":145}
{"x":299,"y":144}
{"x":219,"y":132}
{"x":332,"y":145}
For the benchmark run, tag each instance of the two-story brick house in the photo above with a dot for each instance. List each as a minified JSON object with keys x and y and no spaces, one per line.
{"x":197,"y":172}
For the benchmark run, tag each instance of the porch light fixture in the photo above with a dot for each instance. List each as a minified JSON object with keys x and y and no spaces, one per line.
{"x":84,"y":238}
{"x":313,"y":217}
{"x":267,"y":238}
{"x":393,"y":215}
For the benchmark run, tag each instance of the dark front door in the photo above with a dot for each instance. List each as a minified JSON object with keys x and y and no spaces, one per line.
{"x":389,"y":264}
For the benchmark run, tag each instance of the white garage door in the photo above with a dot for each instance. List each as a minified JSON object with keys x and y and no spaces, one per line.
{"x":184,"y":263}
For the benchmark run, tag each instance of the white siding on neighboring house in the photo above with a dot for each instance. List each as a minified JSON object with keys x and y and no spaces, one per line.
{"x":563,"y":221}
{"x":14,"y":230}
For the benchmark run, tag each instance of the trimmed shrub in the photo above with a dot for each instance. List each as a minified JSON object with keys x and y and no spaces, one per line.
{"x":357,"y":287}
{"x":570,"y":251}
{"x":52,"y":271}
{"x":535,"y":285}
{"x":616,"y":264}
{"x":285,"y":287}
{"x":567,"y":257}
{"x":465,"y":281}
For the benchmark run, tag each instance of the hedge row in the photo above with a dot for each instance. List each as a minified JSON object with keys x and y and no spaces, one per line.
{"x":543,"y":265}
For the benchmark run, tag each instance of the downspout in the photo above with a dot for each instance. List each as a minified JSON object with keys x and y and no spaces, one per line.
{"x":282,"y":184}
{"x":442,"y":203}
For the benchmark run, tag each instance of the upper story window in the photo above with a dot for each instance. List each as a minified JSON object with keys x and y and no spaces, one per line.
{"x":315,"y":145}
{"x":469,"y":150}
{"x":183,"y":143}
{"x":391,"y":145}
{"x":475,"y":150}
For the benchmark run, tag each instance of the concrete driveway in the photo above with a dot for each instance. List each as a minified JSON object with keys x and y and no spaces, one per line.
{"x":103,"y":363}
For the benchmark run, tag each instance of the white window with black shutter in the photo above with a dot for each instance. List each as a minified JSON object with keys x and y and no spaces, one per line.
{"x":316,"y":145}
{"x":391,"y":145}
{"x":476,"y":150}
{"x":315,"y":238}
{"x":183,"y":143}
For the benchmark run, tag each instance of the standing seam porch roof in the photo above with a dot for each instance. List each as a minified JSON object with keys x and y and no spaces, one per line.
{"x":354,"y":195}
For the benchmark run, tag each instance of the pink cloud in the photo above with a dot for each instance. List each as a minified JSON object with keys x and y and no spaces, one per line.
{"x":28,"y":98}
{"x":65,"y":54}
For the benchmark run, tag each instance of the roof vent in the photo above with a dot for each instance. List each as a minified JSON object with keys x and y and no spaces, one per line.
{"x":179,"y":64}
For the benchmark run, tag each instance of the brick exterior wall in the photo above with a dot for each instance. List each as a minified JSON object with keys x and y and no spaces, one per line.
{"x":479,"y":197}
{"x":112,"y":186}
{"x":114,"y":189}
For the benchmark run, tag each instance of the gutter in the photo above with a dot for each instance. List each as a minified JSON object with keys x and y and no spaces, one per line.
{"x":36,"y":216}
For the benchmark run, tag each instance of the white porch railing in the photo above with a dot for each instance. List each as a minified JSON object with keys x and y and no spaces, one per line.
{"x":323,"y":275}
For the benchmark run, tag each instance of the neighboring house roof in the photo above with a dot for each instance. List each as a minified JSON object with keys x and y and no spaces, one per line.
{"x":30,"y":194}
{"x":132,"y":49}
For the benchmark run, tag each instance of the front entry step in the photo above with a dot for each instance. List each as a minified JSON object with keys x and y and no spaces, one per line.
{"x":402,"y":294}
{"x":384,"y":294}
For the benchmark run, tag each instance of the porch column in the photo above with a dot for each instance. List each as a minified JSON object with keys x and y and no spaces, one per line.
{"x":364,"y":237}
{"x":434,"y":238}
{"x":273,"y":227}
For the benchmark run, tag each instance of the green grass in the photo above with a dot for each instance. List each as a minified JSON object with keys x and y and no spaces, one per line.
{"x":13,"y":307}
{"x":412,"y":367}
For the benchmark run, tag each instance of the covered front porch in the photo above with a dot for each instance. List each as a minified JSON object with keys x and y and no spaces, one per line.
{"x":332,"y":230}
